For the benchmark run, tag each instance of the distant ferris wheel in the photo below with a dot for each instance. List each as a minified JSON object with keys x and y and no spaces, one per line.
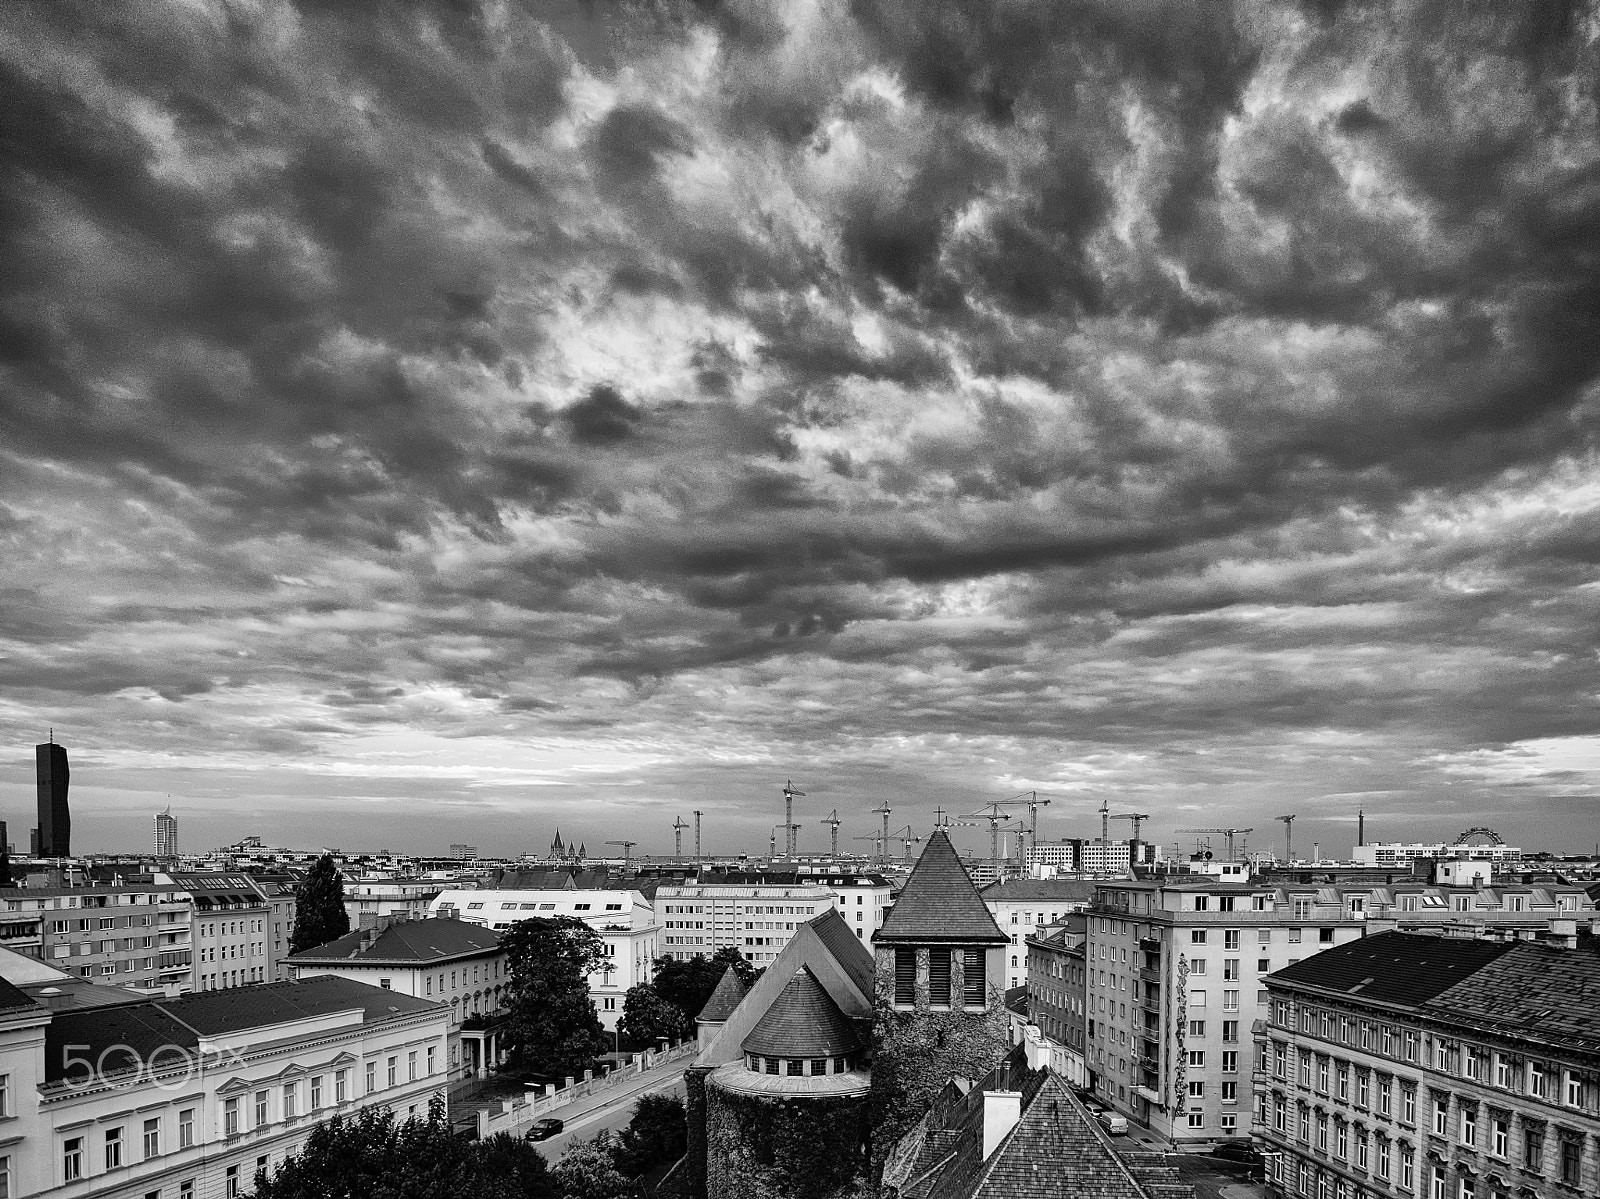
{"x":1480,"y":836}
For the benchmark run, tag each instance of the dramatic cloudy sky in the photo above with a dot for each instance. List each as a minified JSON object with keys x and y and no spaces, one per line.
{"x":433,"y":422}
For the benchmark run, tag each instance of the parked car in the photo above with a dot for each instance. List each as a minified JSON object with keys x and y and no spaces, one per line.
{"x":1238,"y":1151}
{"x":1115,"y":1124}
{"x":544,"y":1129}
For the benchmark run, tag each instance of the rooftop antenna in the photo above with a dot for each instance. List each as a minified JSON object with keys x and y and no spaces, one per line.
{"x":789,"y":826}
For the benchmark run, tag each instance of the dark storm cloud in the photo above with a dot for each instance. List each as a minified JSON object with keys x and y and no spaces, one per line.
{"x":1152,"y":384}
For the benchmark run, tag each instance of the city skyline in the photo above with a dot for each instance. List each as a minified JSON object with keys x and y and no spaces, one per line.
{"x":454,"y":423}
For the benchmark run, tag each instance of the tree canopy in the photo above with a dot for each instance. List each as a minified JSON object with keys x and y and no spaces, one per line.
{"x":319,"y":915}
{"x":647,"y":1018}
{"x":588,"y":1170}
{"x":657,"y":1134}
{"x":369,"y":1154}
{"x":550,"y":1025}
{"x":687,"y":984}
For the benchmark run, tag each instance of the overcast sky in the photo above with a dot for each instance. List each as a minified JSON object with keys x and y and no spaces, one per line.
{"x":437,"y":422}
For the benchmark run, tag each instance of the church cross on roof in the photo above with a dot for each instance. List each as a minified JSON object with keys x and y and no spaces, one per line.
{"x":939,"y":905}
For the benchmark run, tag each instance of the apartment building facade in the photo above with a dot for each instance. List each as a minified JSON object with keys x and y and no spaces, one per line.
{"x":187,"y":1098}
{"x":758,"y":919}
{"x":1020,"y":906}
{"x":1434,"y":1067}
{"x":137,"y":935}
{"x":1173,"y":986}
{"x":233,"y":939}
{"x":1057,"y":981}
{"x":625,"y":921}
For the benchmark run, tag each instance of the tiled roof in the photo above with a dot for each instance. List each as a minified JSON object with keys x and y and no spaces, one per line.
{"x":841,"y":941}
{"x":1056,"y":1150}
{"x":1400,"y":968}
{"x":803,"y":1022}
{"x":213,"y":1012}
{"x":1058,"y":890}
{"x":1539,"y":992}
{"x":725,"y":998}
{"x":939,"y":904}
{"x":419,"y":941}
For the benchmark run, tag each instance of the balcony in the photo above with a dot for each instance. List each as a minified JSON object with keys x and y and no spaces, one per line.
{"x":1149,"y":975}
{"x":1150,"y":944}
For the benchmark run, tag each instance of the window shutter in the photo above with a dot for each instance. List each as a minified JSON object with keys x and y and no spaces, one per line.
{"x":905,"y":975}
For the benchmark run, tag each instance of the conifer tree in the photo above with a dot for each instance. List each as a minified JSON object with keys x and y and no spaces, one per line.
{"x":319,"y":915}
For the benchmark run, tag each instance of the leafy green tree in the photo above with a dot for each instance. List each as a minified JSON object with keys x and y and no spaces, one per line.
{"x":729,"y":955}
{"x":319,"y":915}
{"x":658,"y":1133}
{"x":588,"y":1170}
{"x":550,"y":1023}
{"x":369,"y":1153}
{"x":646,"y":1017}
{"x":688,"y":983}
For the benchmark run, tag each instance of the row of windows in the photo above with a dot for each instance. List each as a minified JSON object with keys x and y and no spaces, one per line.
{"x":1538,"y":1079}
{"x":796,"y":1067}
{"x":1384,"y":1157}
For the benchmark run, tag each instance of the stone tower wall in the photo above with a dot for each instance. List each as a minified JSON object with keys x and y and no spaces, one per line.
{"x":805,"y":1147}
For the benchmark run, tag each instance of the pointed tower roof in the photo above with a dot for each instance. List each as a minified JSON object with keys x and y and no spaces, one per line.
{"x":555,"y":846}
{"x":724,"y":999}
{"x":803,"y":1022}
{"x":939,"y":905}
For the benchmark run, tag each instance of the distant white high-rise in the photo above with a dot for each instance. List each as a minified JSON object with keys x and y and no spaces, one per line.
{"x":166,"y":834}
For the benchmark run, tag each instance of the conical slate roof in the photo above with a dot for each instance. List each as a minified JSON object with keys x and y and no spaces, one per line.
{"x":939,"y":905}
{"x":725,"y":998}
{"x":803,"y":1022}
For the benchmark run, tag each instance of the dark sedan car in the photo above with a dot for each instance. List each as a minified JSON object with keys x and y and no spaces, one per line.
{"x":544,"y":1129}
{"x":1238,"y":1151}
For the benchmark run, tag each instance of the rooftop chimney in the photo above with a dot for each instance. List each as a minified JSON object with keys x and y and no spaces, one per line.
{"x":1001,"y":1111}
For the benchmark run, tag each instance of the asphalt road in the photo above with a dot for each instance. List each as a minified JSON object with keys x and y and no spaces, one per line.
{"x":614,"y":1113}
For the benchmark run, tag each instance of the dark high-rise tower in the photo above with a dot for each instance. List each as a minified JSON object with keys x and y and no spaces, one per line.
{"x":55,"y":821}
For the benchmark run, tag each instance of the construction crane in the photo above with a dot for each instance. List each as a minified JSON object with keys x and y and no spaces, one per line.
{"x":697,"y":814}
{"x":1229,"y":833}
{"x":1031,"y":801}
{"x":883,"y":810}
{"x":772,"y":846}
{"x":627,"y":851}
{"x":993,"y":814}
{"x":1135,"y":817}
{"x":678,"y":825}
{"x":877,"y":845}
{"x":789,"y":826}
{"x":833,"y":822}
{"x":1288,"y":836}
{"x":907,"y":840}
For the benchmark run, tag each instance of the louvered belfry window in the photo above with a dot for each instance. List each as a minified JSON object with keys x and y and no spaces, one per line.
{"x":939,"y":977}
{"x":972,"y":979}
{"x":905,"y":976}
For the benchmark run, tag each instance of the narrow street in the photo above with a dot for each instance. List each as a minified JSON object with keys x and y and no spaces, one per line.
{"x":610,"y":1109}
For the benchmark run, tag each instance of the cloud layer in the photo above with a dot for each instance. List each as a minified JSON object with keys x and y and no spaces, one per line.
{"x":484,"y":415}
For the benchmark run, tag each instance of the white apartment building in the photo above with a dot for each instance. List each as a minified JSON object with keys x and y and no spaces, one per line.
{"x":187,"y":1098}
{"x":385,"y":896}
{"x":1398,"y":855}
{"x":1021,"y":906}
{"x":625,"y":920}
{"x":1174,"y":982}
{"x":1106,"y":857}
{"x":444,"y":960}
{"x":703,"y":916}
